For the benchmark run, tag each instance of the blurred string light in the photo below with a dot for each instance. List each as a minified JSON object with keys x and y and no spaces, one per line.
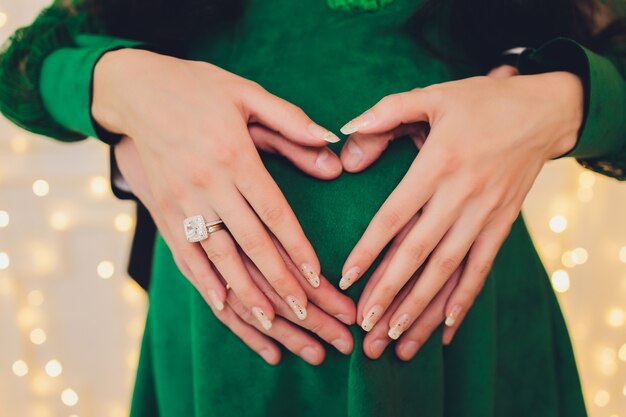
{"x":106,"y":269}
{"x":20,"y":144}
{"x":560,"y":280}
{"x":621,"y":354}
{"x":3,"y":19}
{"x":69,"y":397}
{"x":602,"y":398}
{"x":38,"y":336}
{"x":586,"y":180}
{"x":622,"y":254}
{"x":123,"y":222}
{"x":558,"y":224}
{"x":4,"y":218}
{"x":59,"y":220}
{"x":53,"y":368}
{"x":99,"y":185}
{"x":616,"y":317}
{"x":4,"y":260}
{"x":20,"y":368}
{"x":574,"y":257}
{"x":41,"y":188}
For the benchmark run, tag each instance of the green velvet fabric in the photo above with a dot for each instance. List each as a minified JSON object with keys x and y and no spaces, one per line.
{"x":511,"y":357}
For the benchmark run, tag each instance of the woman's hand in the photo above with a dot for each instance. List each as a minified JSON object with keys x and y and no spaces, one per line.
{"x":189,"y":121}
{"x":489,"y":138}
{"x":233,"y":313}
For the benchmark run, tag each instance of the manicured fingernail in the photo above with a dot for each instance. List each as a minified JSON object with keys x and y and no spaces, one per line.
{"x":310,"y":275}
{"x":399,"y":326}
{"x":297,"y":307}
{"x":408,"y":349}
{"x":321,"y":133}
{"x":215,"y":300}
{"x":371,"y":318}
{"x":344,"y":318}
{"x":323,"y":161}
{"x":454,"y":314}
{"x":342,"y":345}
{"x":357,"y":123}
{"x":349,"y":277}
{"x":354,"y":156}
{"x":378,"y":346}
{"x":309,"y":354}
{"x":262,"y":318}
{"x":267,"y":354}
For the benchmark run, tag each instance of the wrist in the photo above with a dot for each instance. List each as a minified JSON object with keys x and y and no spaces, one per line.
{"x":112,"y":78}
{"x":565,"y":89}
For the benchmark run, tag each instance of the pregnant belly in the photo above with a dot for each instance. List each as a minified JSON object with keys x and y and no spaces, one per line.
{"x":334,"y":214}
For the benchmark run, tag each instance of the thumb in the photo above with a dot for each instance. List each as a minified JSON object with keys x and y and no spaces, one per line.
{"x":319,"y":162}
{"x":361,"y":150}
{"x":286,"y":118}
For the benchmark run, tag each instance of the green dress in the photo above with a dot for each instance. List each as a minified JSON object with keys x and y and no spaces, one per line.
{"x":512,"y":354}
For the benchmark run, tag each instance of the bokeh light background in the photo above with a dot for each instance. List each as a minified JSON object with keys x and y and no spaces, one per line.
{"x":71,"y":320}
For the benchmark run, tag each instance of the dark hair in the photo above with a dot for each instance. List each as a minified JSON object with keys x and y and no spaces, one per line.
{"x":485,"y":28}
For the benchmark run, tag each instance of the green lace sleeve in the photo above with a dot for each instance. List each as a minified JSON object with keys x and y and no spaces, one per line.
{"x":601,"y":144}
{"x":46,"y":69}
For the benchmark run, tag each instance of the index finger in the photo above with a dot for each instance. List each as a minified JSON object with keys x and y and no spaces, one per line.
{"x":267,"y":200}
{"x":394,"y":110}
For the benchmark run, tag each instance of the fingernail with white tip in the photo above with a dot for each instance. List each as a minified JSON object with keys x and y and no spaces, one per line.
{"x":454,"y":314}
{"x":357,"y":123}
{"x":297,"y":307}
{"x":371,"y":318}
{"x":349,"y":277}
{"x":399,"y":326}
{"x":310,"y":275}
{"x":215,"y":300}
{"x":321,"y":133}
{"x":262,"y":318}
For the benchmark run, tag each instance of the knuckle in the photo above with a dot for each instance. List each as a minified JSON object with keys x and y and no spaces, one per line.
{"x":477,"y":184}
{"x":388,"y":292}
{"x":416,"y":251}
{"x":446,"y":264}
{"x":199,"y":176}
{"x":252,"y":243}
{"x":217,"y":254}
{"x":253,"y":85}
{"x":481,"y":267}
{"x":164,"y":202}
{"x":447,"y":159}
{"x":317,"y":327}
{"x":279,"y":282}
{"x":391,"y":220}
{"x":228,"y":155}
{"x":272,"y":215}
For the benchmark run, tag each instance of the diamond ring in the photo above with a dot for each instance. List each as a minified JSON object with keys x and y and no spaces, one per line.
{"x":197,"y":229}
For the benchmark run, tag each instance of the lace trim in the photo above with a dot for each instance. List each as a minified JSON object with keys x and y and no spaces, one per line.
{"x":358,"y":5}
